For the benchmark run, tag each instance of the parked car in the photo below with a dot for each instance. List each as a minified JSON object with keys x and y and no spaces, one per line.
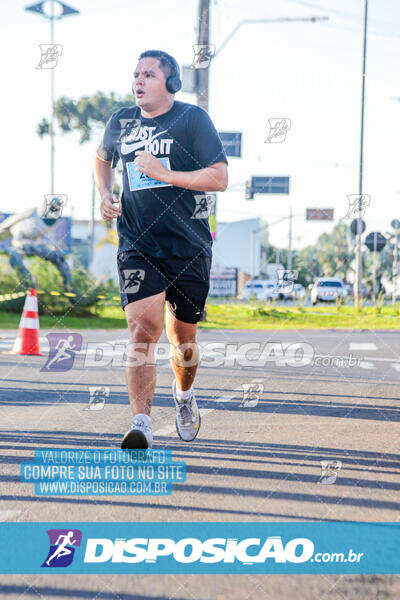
{"x":261,"y":289}
{"x":328,"y":289}
{"x":297,"y":293}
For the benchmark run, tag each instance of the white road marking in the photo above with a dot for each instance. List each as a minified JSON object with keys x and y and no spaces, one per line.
{"x":7,"y":515}
{"x":362,"y":346}
{"x":364,"y":364}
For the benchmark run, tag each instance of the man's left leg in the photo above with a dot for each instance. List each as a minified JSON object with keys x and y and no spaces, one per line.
{"x":188,"y":282}
{"x":184,"y":352}
{"x":184,"y":361}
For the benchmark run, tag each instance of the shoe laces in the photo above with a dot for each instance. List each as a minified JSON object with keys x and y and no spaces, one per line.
{"x":186,"y":411}
{"x":140,"y":424}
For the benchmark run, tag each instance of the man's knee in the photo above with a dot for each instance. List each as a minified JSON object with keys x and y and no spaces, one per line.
{"x":185,"y":353}
{"x":143,"y":329}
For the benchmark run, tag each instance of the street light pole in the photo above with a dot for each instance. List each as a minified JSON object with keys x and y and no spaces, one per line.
{"x":52,"y":148}
{"x":202,"y":77}
{"x":50,"y":15}
{"x":358,"y":287}
{"x":289,"y":257}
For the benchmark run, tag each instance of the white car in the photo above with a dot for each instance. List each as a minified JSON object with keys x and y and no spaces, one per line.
{"x":328,"y":289}
{"x":299,"y":291}
{"x":261,"y":289}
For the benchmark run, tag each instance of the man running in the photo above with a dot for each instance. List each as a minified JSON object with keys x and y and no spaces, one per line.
{"x":171,"y":153}
{"x":62,"y":549}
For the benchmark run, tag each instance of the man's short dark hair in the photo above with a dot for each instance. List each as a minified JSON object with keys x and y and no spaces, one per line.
{"x":166,"y":61}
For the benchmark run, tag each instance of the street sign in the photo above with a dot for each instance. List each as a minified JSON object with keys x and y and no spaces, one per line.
{"x":319,"y":214}
{"x":375,"y":241}
{"x":395,"y":224}
{"x":223,"y":282}
{"x":232,"y":142}
{"x":353,"y":226}
{"x":269,"y":185}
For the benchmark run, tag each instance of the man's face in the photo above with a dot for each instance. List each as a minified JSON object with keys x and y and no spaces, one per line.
{"x":149,"y":84}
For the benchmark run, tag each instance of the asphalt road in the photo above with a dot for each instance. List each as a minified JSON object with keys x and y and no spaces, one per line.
{"x":255,"y":459}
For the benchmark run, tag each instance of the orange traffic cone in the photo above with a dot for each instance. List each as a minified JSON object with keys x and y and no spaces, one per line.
{"x":27,"y":340}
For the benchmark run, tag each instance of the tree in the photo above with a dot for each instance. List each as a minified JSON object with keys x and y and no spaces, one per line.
{"x":86,"y":115}
{"x":335,"y":251}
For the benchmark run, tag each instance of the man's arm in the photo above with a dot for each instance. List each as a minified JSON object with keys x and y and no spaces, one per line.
{"x":211,"y":179}
{"x":104,"y":180}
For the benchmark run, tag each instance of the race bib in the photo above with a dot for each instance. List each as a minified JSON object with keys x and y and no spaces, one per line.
{"x":141,"y":181}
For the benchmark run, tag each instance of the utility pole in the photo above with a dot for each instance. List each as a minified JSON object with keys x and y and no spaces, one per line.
{"x":92,"y":225}
{"x":289,"y":256}
{"x":396,"y":226}
{"x":203,"y":39}
{"x":358,"y":287}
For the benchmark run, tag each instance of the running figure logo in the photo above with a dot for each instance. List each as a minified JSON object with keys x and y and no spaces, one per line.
{"x":202,"y":55}
{"x":329,"y":471}
{"x":286,"y":280}
{"x":204,"y":205}
{"x":52,"y":207}
{"x":50,"y":54}
{"x":62,"y":547}
{"x":129,"y":129}
{"x":63,"y":347}
{"x":251,"y":394}
{"x":98,"y":397}
{"x":278,"y":129}
{"x":357,"y":201}
{"x":132,"y":280}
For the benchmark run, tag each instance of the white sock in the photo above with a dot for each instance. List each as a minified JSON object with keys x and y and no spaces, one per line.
{"x":142,"y":417}
{"x":184,"y":395}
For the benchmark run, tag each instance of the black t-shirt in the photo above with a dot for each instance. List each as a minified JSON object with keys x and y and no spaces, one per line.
{"x":162,"y":220}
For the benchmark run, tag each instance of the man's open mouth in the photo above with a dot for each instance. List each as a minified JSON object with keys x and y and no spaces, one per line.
{"x":139,"y":93}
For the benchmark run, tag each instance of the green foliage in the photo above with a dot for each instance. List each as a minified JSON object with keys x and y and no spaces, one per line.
{"x":335,"y":252}
{"x":86,"y":114}
{"x":378,"y":303}
{"x":9,"y":282}
{"x":51,"y":294}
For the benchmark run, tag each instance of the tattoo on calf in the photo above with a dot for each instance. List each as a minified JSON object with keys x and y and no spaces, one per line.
{"x":148,"y":406}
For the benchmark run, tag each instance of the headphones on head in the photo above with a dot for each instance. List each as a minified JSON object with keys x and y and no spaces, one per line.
{"x":173,"y":83}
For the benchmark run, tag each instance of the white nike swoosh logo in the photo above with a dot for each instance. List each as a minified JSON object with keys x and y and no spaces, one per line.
{"x":127,"y":148}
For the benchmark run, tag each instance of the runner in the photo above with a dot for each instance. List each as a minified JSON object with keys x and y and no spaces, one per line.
{"x":171,"y":153}
{"x":62,"y":549}
{"x":62,"y":350}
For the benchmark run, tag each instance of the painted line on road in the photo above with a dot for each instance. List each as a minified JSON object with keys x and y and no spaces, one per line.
{"x":364,"y":364}
{"x":7,"y":515}
{"x":362,"y":346}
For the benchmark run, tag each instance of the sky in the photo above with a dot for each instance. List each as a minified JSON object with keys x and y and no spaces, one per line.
{"x":309,"y":73}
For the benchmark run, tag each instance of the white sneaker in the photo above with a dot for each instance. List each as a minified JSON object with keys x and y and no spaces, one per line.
{"x":139,"y":437}
{"x":188,"y":418}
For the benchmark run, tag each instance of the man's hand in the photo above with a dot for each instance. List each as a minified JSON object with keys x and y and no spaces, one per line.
{"x":107,"y":207}
{"x":151,"y":166}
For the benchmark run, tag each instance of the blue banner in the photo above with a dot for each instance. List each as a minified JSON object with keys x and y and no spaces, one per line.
{"x":251,"y":548}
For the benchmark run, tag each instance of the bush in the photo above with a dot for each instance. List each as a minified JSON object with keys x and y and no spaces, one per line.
{"x":52,"y":297}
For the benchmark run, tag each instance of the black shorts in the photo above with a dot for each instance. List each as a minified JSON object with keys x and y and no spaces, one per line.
{"x":186,"y":282}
